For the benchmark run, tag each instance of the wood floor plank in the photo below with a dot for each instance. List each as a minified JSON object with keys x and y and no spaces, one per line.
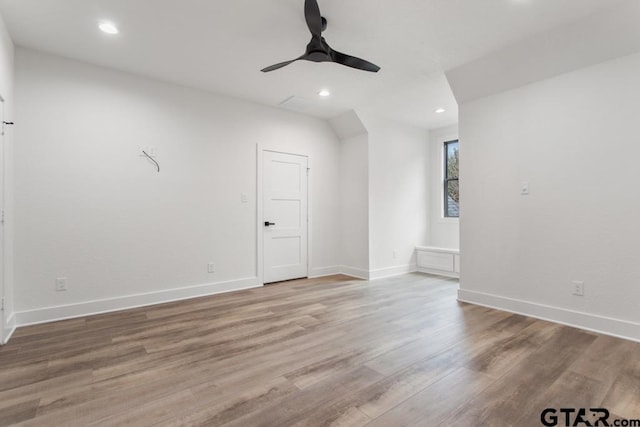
{"x":395,"y":389}
{"x":435,"y":403}
{"x":217,"y":406}
{"x":523,"y":382}
{"x":624,"y":395}
{"x":328,"y":351}
{"x":305,"y":405}
{"x":19,"y":412}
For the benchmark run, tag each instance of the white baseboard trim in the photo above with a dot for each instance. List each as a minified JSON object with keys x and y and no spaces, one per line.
{"x":604,"y":325}
{"x":383,"y":273}
{"x":324,"y":271}
{"x":89,"y":308}
{"x":10,"y":328}
{"x":358,"y":273}
{"x":439,"y":272}
{"x":52,"y":314}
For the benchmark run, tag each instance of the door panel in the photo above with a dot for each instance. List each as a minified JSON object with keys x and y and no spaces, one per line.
{"x":288,"y":253}
{"x":289,"y":213}
{"x":285,"y":206}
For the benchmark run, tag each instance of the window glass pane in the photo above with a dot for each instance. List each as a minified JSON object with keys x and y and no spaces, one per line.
{"x":452,"y":160}
{"x":452,"y":207}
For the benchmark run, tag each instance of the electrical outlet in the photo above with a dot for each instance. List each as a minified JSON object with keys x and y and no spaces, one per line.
{"x":211,"y":267}
{"x":244,"y":198}
{"x":61,"y":284}
{"x":577,"y":288}
{"x":524,"y":188}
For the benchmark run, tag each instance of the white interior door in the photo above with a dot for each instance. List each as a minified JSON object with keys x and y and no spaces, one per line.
{"x":285,"y":221}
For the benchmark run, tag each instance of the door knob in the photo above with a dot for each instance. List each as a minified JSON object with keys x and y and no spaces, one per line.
{"x":267,"y":223}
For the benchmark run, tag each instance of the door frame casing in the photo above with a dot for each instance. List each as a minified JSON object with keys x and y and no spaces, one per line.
{"x":260,"y":149}
{"x":3,"y":309}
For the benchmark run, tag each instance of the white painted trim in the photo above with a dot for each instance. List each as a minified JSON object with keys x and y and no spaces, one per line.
{"x":309,"y":216}
{"x":437,"y":249}
{"x":435,"y":271}
{"x":452,"y":136}
{"x":259,"y":215}
{"x":358,"y":273}
{"x":9,"y":334}
{"x":88,"y":308}
{"x":383,"y":273}
{"x":324,"y":271}
{"x":9,"y":329}
{"x":447,"y":220}
{"x":439,"y":272}
{"x":260,"y":149}
{"x":4,"y":335}
{"x":601,"y":324}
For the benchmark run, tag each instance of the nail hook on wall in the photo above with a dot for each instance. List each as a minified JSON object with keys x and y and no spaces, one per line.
{"x":152,"y":159}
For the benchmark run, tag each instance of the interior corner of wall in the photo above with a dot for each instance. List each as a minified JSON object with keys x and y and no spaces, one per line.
{"x":359,"y":116}
{"x":347,"y":125}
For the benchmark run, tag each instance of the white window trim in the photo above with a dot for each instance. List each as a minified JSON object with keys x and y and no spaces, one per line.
{"x":444,"y":219}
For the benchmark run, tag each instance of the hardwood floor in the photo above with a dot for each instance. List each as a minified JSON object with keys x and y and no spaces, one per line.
{"x":332,"y":351}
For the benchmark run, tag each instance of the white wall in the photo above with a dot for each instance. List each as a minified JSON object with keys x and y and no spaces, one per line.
{"x":398,"y":195}
{"x":354,"y":206}
{"x":7,"y":323}
{"x":574,"y":138}
{"x":443,"y":232}
{"x":89,"y":209}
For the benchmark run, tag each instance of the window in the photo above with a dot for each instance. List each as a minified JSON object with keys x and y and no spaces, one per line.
{"x":451,"y":183}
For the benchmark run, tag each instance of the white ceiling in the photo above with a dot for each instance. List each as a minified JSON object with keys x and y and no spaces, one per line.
{"x":220,"y":46}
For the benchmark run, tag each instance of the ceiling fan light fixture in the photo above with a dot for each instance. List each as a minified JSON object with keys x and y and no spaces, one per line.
{"x":324,"y":93}
{"x":440,"y":111}
{"x":108,"y":27}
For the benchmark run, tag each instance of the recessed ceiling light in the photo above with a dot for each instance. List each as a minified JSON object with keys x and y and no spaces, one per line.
{"x":108,"y":27}
{"x":324,"y":93}
{"x":440,"y":111}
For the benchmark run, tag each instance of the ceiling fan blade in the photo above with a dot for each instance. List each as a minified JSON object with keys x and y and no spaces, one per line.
{"x":353,"y":62}
{"x":280,"y":65}
{"x":313,"y":17}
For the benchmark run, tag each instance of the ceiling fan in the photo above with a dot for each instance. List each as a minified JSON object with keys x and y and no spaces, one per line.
{"x":318,"y":50}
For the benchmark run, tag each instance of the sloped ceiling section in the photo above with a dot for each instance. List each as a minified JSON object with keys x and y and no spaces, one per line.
{"x":599,"y":37}
{"x":347,"y":125}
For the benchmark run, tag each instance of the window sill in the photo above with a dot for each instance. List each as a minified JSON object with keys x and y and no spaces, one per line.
{"x":449,"y":220}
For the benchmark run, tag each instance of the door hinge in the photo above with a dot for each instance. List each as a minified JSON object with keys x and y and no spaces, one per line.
{"x":2,"y":218}
{"x":308,"y":169}
{"x":2,"y":305}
